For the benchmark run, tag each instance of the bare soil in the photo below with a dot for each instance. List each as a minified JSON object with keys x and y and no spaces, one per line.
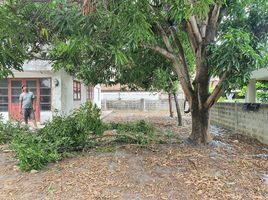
{"x":233,"y":167}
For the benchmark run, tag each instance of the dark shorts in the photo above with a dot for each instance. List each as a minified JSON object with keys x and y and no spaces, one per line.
{"x":28,"y":113}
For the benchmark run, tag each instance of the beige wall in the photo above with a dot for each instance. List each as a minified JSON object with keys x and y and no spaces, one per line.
{"x":233,"y":117}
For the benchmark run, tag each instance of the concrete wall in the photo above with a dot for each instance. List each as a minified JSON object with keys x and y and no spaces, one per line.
{"x":141,"y":104}
{"x":233,"y":117}
{"x":120,"y":95}
{"x":117,"y":95}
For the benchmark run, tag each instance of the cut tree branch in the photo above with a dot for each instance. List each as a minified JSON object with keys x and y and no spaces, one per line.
{"x":217,"y":90}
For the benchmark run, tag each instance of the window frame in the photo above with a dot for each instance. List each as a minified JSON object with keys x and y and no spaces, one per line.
{"x":4,"y":105}
{"x":76,"y":90}
{"x":46,"y":95}
{"x":90,"y":93}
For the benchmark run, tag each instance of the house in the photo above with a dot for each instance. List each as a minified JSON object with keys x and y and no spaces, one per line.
{"x":257,"y":75}
{"x":54,"y":91}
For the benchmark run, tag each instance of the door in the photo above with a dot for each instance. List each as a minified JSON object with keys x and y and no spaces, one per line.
{"x":14,"y":94}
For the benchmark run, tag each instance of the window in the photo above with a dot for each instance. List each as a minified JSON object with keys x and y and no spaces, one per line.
{"x":3,"y":96}
{"x":45,"y":94}
{"x":90,"y":93}
{"x":76,"y":90}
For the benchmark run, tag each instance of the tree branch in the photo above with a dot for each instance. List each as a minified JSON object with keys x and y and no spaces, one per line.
{"x":186,"y":85}
{"x":191,"y":37}
{"x":217,"y":90}
{"x":195,"y":28}
{"x":182,"y":55}
{"x":165,"y":37}
{"x":161,"y":51}
{"x":203,"y":28}
{"x":212,"y":23}
{"x":178,"y":46}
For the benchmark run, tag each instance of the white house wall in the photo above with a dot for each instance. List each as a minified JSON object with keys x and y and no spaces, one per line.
{"x":97,"y":95}
{"x":4,"y":116}
{"x":68,"y":104}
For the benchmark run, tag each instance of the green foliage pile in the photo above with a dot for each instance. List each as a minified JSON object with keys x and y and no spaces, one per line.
{"x":140,"y":132}
{"x":9,"y":130}
{"x":62,"y":134}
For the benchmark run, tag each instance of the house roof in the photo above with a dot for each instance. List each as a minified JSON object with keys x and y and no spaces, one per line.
{"x":260,"y":74}
{"x":111,"y":88}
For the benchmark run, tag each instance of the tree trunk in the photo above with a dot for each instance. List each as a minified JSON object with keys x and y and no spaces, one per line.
{"x":200,"y":125}
{"x":170,"y":105}
{"x":178,"y":109}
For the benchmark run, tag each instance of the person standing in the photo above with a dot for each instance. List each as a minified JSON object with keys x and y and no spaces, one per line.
{"x":27,"y":105}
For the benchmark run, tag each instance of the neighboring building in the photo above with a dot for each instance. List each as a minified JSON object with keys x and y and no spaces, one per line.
{"x":118,"y":97}
{"x":55,"y":91}
{"x":118,"y":92}
{"x":257,"y":75}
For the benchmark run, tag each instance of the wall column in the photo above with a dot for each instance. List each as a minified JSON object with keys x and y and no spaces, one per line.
{"x":251,"y":91}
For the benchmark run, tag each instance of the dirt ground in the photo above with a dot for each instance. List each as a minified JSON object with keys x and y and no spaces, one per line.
{"x":233,"y":167}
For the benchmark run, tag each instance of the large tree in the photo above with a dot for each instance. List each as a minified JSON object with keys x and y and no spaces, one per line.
{"x":217,"y":37}
{"x":151,"y":73}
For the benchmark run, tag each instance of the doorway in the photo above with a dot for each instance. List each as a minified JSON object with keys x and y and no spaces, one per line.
{"x":14,"y":94}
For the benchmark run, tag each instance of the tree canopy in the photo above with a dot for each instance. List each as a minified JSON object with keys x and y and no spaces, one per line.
{"x":99,"y":40}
